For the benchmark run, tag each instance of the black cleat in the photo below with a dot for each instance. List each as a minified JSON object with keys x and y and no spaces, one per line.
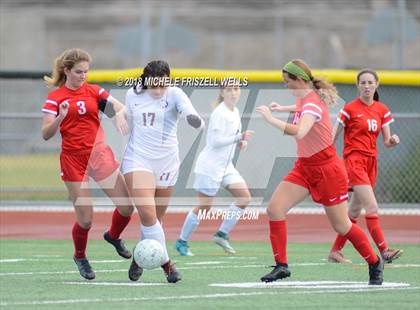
{"x":280,"y":271}
{"x":135,"y":271}
{"x":172,"y":275}
{"x":376,"y":272}
{"x":85,"y":268}
{"x":118,"y":245}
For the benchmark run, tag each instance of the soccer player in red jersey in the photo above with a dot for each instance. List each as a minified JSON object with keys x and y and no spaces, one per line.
{"x":362,"y":120}
{"x":73,"y":107}
{"x":318,"y":171}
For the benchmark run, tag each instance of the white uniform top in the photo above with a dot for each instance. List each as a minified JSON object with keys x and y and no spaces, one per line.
{"x":224,"y":132}
{"x":154,"y":122}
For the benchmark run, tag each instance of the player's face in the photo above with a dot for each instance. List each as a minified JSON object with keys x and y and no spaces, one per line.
{"x":157,"y":91}
{"x":76,"y":76}
{"x":367,"y":85}
{"x":231,"y":95}
{"x":298,"y":87}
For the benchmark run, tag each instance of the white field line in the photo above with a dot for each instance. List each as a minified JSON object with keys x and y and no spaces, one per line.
{"x":316,"y":210}
{"x":308,"y":285}
{"x":115,"y":283}
{"x":17,"y":260}
{"x":30,"y":273}
{"x":187,"y":297}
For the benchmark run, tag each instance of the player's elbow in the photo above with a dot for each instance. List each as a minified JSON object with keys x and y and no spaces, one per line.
{"x":195,"y":121}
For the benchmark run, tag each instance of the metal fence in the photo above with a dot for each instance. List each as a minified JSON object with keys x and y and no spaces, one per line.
{"x":29,"y":166}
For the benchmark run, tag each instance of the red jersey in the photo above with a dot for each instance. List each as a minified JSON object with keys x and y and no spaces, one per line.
{"x":80,"y":129}
{"x":317,"y":145}
{"x":362,"y":124}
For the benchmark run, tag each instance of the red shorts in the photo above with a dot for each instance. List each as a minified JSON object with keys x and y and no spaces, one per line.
{"x":99,"y":164}
{"x":326,"y":181}
{"x":361,"y":169}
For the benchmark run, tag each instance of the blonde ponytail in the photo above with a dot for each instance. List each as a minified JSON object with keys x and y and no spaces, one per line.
{"x":67,"y":59}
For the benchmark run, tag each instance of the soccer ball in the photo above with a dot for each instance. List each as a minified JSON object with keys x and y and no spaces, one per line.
{"x":148,"y":254}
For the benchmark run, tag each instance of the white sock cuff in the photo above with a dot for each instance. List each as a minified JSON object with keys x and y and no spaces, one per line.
{"x":150,"y":229}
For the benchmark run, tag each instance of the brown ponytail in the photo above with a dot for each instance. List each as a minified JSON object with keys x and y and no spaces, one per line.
{"x":67,"y":59}
{"x":326,"y":91}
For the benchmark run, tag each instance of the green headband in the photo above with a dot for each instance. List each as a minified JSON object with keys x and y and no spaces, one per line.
{"x":294,"y":69}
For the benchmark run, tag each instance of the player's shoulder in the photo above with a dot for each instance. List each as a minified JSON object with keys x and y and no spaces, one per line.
{"x":58,"y":93}
{"x":381,"y":106}
{"x":312,"y":98}
{"x":352,"y":105}
{"x":174,"y":91}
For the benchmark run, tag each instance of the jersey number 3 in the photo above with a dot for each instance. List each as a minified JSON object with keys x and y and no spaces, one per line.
{"x":81,"y":107}
{"x":372,"y":125}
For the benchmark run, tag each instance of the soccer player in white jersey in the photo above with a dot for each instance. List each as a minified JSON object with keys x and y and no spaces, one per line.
{"x":214,"y":168}
{"x":151,"y":160}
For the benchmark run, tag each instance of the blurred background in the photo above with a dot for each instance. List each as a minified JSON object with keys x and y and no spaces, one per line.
{"x":231,"y":34}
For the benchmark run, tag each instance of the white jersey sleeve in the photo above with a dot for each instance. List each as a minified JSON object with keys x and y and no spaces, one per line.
{"x":184,"y":105}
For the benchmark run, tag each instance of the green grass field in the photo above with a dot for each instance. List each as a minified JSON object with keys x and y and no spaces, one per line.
{"x":41,"y":274}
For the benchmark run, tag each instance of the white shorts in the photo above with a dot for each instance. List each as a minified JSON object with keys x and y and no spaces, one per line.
{"x":209,"y":187}
{"x":164,"y":169}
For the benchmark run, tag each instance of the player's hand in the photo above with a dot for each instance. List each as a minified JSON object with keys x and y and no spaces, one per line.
{"x":247,"y":134}
{"x":63,"y":109}
{"x":243,"y":144}
{"x":121,"y":123}
{"x":265,"y":112}
{"x":394,"y":140}
{"x":274,"y":106}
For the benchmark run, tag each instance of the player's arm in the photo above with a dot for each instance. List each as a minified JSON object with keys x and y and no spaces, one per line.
{"x":113,"y":107}
{"x":274,"y":106}
{"x":51,"y":123}
{"x":217,"y":139}
{"x":389,"y":139}
{"x":337,"y":130}
{"x":298,"y":131}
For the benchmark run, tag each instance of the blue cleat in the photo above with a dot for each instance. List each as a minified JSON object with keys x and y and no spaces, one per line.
{"x":182,"y":247}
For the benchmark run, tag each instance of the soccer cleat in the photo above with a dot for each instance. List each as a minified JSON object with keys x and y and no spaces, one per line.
{"x":222,"y":239}
{"x":85,"y":269}
{"x":172,"y":275}
{"x":389,"y":255}
{"x":135,"y":271}
{"x":280,"y":271}
{"x":338,"y":257}
{"x":118,"y":245}
{"x":182,"y":247}
{"x":376,"y":272}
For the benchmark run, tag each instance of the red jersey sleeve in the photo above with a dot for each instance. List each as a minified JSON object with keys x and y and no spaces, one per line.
{"x":100,"y":92}
{"x":313,"y":108}
{"x":344,"y":116}
{"x":50,"y":105}
{"x":387,"y":117}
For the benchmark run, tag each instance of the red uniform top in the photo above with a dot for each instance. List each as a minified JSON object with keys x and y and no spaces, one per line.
{"x":362,"y":124}
{"x":317,"y":145}
{"x":80,"y":129}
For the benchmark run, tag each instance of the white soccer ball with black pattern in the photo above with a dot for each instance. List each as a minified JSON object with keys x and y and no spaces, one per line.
{"x":148,"y":254}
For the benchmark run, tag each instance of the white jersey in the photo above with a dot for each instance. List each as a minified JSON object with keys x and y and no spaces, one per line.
{"x":154,"y":122}
{"x":224,"y":132}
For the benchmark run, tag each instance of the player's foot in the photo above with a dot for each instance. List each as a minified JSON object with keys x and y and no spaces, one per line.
{"x":118,"y":245}
{"x":182,"y":247}
{"x":280,"y":271}
{"x":222,"y":239}
{"x":376,"y":272}
{"x":338,"y":257}
{"x":172,"y":275}
{"x":85,"y":269}
{"x":135,"y":271}
{"x":389,"y":255}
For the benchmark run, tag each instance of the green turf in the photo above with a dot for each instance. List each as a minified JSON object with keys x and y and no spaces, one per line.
{"x":34,"y":176}
{"x":194,"y":292}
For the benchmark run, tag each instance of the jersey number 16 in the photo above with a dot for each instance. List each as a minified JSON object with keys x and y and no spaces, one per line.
{"x":372,"y":125}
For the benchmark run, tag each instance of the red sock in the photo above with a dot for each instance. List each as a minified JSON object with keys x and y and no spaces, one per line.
{"x":118,"y":224}
{"x":278,"y":238}
{"x":375,"y":230}
{"x":80,"y":237}
{"x":340,"y":241}
{"x":361,"y":243}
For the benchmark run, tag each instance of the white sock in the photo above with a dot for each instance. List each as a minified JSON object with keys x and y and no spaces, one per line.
{"x":190,"y":224}
{"x":232,"y":217}
{"x":155,"y":232}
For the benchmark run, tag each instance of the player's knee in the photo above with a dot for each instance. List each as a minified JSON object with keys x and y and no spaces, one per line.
{"x":354,"y":213}
{"x":126,"y":210}
{"x":274,"y":213}
{"x":342,"y":228}
{"x":85,"y":224}
{"x":371,"y":208}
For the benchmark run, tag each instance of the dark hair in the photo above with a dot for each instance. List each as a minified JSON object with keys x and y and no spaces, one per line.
{"x":154,"y":69}
{"x":326,"y":91}
{"x":375,"y":75}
